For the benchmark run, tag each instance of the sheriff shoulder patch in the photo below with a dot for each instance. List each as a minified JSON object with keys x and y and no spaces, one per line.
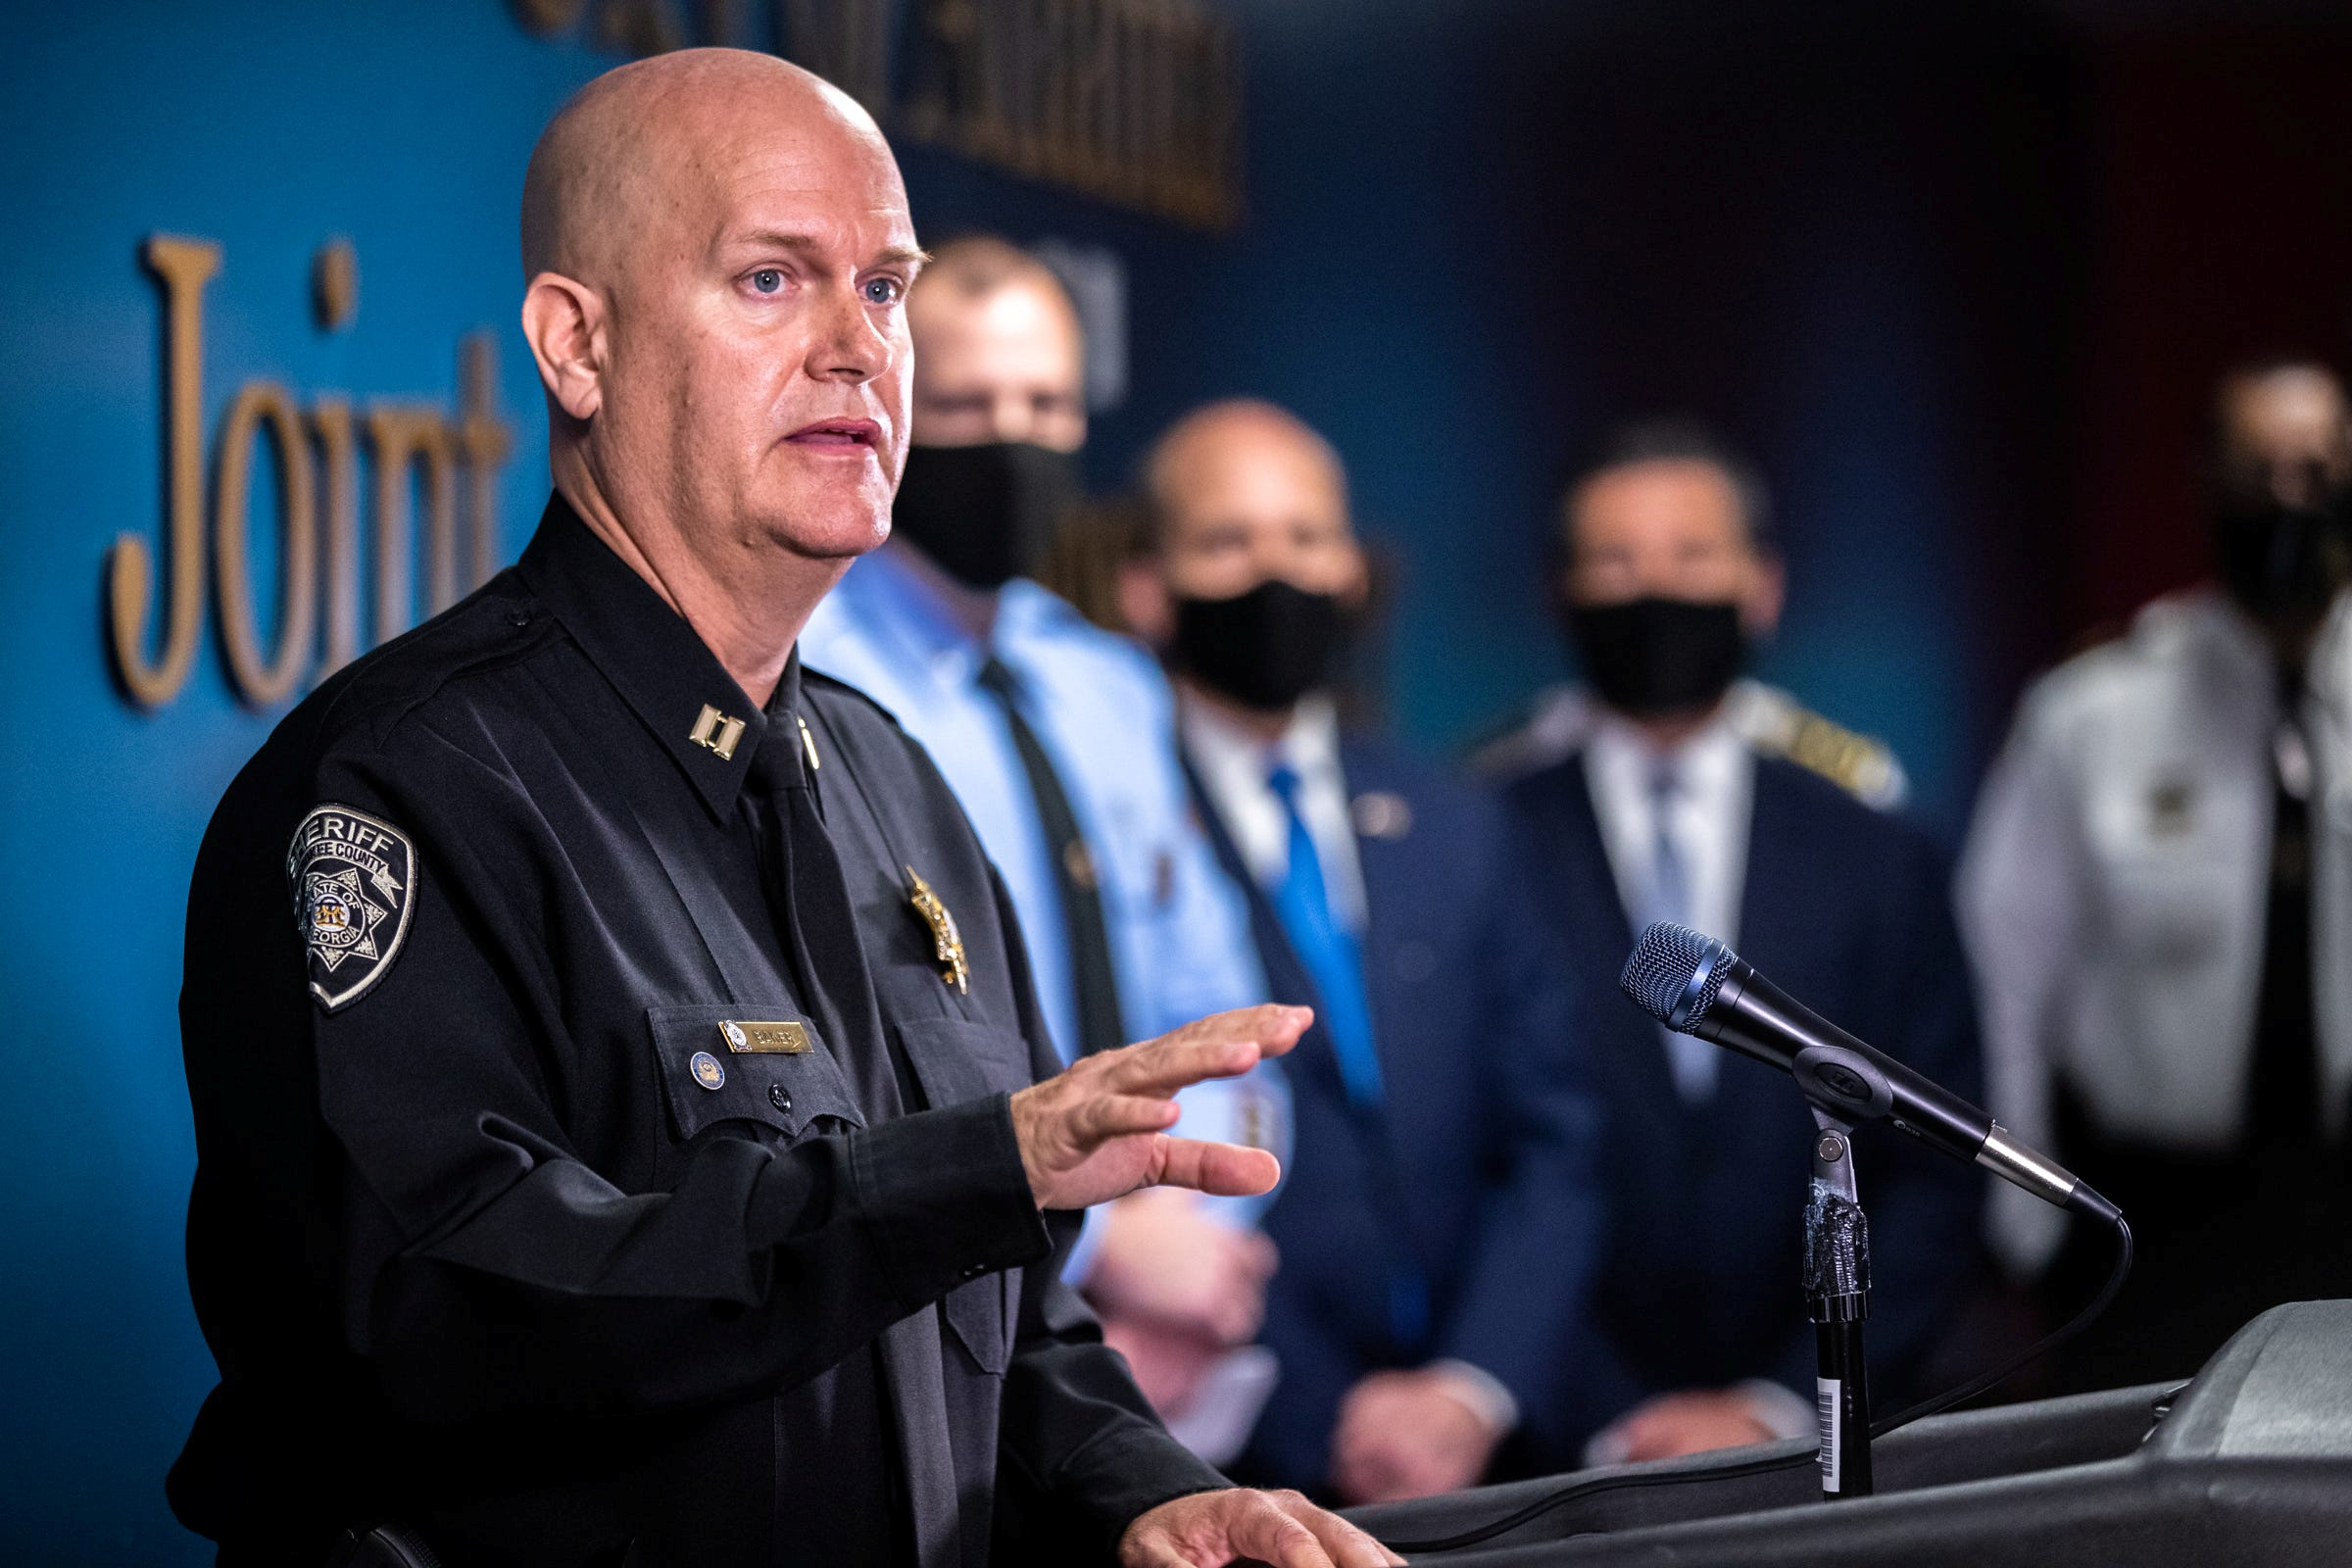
{"x":354,"y":882}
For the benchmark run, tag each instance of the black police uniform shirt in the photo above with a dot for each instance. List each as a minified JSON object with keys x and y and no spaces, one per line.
{"x":546,"y":1201}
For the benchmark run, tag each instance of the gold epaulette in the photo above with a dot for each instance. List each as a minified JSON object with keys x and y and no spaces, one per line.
{"x":1859,"y":764}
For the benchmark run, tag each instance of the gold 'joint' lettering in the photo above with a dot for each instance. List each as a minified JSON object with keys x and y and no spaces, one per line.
{"x":183,"y":267}
{"x":261,"y":680}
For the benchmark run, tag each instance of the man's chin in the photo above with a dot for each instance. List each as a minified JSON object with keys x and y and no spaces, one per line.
{"x":842,"y":535}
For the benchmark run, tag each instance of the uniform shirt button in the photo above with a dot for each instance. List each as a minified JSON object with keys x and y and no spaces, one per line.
{"x":779,"y":1097}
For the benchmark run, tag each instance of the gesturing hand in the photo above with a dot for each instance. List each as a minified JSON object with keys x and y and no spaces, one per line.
{"x":1098,"y":1130}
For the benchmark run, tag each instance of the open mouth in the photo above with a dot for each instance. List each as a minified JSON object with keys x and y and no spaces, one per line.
{"x":838,"y":433}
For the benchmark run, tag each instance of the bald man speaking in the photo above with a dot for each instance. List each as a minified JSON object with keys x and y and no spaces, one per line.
{"x":626,"y":1131}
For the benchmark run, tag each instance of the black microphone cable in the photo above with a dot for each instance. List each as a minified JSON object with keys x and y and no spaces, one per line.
{"x":1960,"y":1394}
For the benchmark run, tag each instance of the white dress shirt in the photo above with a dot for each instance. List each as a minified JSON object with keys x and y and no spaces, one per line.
{"x":1707,"y":819}
{"x":1234,"y":765}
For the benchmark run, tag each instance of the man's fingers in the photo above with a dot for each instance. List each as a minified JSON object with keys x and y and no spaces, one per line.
{"x":1343,"y":1543}
{"x":1111,"y":1117}
{"x":1268,"y":1532}
{"x":1275,"y":1023}
{"x":1226,"y":1170}
{"x":1164,"y":1066}
{"x":1224,"y":1045}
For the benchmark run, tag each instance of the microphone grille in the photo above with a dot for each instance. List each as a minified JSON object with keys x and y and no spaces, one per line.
{"x":1674,"y":974}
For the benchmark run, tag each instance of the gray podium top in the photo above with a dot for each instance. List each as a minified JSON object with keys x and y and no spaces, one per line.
{"x":2249,"y":1462}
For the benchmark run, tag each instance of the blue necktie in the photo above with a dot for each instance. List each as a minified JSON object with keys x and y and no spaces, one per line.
{"x":1327,"y":948}
{"x":1692,"y":1058}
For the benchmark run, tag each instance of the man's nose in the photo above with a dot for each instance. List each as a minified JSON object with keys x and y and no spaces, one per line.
{"x":1010,"y":419}
{"x":848,"y":345}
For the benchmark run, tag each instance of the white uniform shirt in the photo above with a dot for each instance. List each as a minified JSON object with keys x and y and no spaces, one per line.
{"x":1234,"y":765}
{"x":2116,"y":883}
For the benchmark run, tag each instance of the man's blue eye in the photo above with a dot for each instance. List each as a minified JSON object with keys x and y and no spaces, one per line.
{"x":882,"y":291}
{"x":767,"y":281}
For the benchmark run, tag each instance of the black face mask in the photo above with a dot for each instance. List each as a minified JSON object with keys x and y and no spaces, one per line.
{"x":983,"y":514}
{"x":1264,"y":649}
{"x":1646,"y":657}
{"x":2282,"y":563}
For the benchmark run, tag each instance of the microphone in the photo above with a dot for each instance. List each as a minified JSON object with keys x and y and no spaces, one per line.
{"x":1694,"y":984}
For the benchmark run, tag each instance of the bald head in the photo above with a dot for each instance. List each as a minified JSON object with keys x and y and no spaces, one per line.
{"x":649,"y":140}
{"x":2283,"y":428}
{"x":1244,"y":491}
{"x":1211,"y":444}
{"x":719,"y":252}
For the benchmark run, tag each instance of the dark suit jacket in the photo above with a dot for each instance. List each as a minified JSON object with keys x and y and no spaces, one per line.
{"x":1475,"y":1175}
{"x":1848,"y":909}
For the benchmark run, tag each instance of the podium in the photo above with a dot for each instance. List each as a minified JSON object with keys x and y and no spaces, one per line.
{"x":2250,"y":1461}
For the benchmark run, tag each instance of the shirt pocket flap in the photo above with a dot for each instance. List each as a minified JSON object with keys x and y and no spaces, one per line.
{"x":982,"y":1311}
{"x":957,"y":1060}
{"x":747,"y":1062}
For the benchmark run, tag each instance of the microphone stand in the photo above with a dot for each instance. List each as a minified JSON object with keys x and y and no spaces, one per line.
{"x":1838,"y":1300}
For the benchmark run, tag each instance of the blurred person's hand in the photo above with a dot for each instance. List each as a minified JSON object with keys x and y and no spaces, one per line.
{"x":1166,"y":1259}
{"x":1409,"y":1434}
{"x":1693,"y":1421}
{"x":1169,"y":1364}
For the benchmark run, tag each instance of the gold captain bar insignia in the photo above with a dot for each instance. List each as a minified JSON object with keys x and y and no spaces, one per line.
{"x":717,"y":731}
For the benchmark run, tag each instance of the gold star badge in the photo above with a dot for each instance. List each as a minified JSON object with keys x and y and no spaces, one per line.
{"x":946,"y":941}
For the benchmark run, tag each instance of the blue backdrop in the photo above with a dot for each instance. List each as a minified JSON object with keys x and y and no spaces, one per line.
{"x":1429,"y":266}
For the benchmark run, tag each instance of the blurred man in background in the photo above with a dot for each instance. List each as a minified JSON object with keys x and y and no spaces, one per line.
{"x":1664,"y":810}
{"x":2158,"y":892}
{"x":1437,"y":1222}
{"x":1769,"y":720}
{"x":1058,"y":739}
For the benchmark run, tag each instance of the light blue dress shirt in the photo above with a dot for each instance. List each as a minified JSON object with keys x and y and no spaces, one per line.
{"x":1179,"y":929}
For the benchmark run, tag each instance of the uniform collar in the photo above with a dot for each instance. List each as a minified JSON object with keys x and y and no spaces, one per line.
{"x":653,"y":658}
{"x":1703,"y":763}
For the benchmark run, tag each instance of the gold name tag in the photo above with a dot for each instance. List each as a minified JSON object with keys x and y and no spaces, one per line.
{"x":764,"y":1039}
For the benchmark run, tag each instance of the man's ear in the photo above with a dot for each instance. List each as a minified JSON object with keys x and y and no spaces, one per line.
{"x":1145,"y":604}
{"x":1356,"y":592}
{"x":1767,"y":591}
{"x":563,"y":321}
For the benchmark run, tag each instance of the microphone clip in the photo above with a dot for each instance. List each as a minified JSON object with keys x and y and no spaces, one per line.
{"x":1844,"y":1082}
{"x":1836,"y":1277}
